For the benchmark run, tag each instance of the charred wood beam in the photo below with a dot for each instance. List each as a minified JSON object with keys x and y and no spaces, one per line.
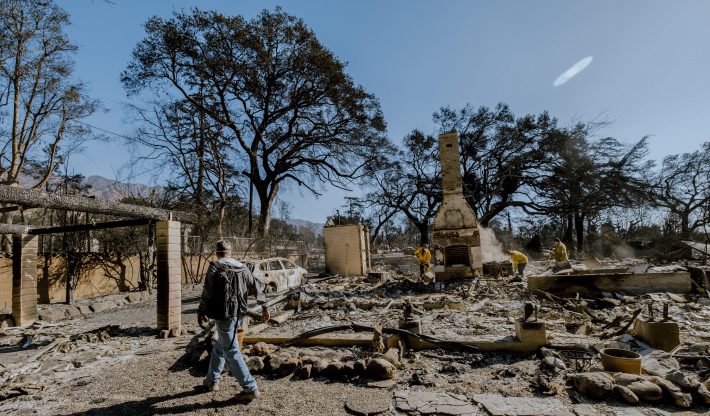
{"x":17,"y":229}
{"x":39,"y":199}
{"x":89,"y":227}
{"x":11,"y":208}
{"x":20,"y":229}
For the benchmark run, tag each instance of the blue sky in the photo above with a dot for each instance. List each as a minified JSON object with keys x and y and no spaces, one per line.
{"x":649,"y":74}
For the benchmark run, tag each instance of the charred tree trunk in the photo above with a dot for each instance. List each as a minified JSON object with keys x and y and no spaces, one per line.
{"x":685,"y":225}
{"x":423,"y":228}
{"x":579,"y":230}
{"x":266,"y":199}
{"x":569,"y":229}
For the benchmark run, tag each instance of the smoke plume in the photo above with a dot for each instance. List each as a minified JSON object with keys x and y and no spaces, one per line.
{"x":491,"y":248}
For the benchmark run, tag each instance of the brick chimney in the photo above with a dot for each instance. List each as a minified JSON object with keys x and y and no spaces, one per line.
{"x":456,"y":231}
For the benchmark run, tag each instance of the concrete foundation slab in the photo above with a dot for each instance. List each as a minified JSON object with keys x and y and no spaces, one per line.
{"x":530,"y":337}
{"x":498,"y":405}
{"x":628,"y":283}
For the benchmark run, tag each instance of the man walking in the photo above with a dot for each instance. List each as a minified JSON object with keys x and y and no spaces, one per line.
{"x":224,"y":299}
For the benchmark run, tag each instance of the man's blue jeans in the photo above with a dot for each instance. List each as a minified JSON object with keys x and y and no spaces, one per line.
{"x":223,"y":351}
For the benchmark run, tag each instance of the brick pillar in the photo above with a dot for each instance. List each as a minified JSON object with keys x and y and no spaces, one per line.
{"x":167,"y":247}
{"x":24,"y":279}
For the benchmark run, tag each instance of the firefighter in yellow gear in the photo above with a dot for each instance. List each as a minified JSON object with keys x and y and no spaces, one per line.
{"x":423,"y":257}
{"x":519,"y":260}
{"x":559,"y":251}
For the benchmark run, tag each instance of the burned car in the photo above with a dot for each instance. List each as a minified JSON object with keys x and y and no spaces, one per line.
{"x":276,"y":274}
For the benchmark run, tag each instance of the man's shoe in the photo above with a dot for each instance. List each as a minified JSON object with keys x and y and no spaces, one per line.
{"x":247,"y":396}
{"x":517,"y":278}
{"x":210,"y":385}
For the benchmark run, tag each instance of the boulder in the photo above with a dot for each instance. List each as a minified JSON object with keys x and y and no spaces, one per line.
{"x":646,"y":390}
{"x":319,"y":368}
{"x":360,"y":367}
{"x":595,"y":385}
{"x":680,"y":399}
{"x":73,"y":311}
{"x":392,"y":355}
{"x":97,"y":307}
{"x":288,"y":366}
{"x":624,"y":379}
{"x":255,"y":364}
{"x":309,"y":359}
{"x":334,"y":370}
{"x":273,"y":362}
{"x":640,"y":386}
{"x":625,"y":394}
{"x":6,"y":321}
{"x":261,"y":349}
{"x":685,"y":381}
{"x":349,"y":370}
{"x":380,"y":369}
{"x":52,"y":314}
{"x":85,"y":309}
{"x":704,"y":393}
{"x":133,"y":297}
{"x":554,"y":363}
{"x":304,"y":371}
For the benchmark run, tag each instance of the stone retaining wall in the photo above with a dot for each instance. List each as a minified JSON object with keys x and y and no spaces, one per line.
{"x":104,"y":279}
{"x":86,"y":307}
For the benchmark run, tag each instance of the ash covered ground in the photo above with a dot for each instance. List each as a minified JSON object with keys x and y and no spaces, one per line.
{"x":113,"y":362}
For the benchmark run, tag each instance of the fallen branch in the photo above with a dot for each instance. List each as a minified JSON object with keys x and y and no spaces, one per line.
{"x":625,"y":327}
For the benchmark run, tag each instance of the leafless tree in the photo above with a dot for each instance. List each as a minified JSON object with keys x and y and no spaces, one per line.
{"x":501,"y":155}
{"x":682,"y":186}
{"x":41,"y":100}
{"x":191,"y":147}
{"x":283,"y":98}
{"x":408,"y":182}
{"x":587,"y":176}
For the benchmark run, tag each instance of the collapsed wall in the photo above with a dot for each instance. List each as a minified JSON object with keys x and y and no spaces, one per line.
{"x":347,"y":249}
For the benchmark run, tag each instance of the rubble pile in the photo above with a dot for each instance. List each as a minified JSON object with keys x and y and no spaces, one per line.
{"x":453,"y":347}
{"x":568,"y":368}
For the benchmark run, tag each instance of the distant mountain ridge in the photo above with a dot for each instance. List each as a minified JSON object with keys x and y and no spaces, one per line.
{"x":100,"y":187}
{"x":316,"y":227}
{"x":113,"y":190}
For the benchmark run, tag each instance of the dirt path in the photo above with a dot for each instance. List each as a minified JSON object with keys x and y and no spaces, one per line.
{"x":142,"y":375}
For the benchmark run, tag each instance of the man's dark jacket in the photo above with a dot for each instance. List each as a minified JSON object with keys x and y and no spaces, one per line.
{"x":247,"y":285}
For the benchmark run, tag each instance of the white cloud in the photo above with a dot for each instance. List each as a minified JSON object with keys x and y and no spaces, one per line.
{"x":572,"y":71}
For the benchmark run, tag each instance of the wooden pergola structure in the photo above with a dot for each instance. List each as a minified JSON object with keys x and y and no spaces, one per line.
{"x":24,"y":246}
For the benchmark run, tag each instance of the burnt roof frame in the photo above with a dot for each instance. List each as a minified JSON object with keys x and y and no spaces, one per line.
{"x":33,"y":198}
